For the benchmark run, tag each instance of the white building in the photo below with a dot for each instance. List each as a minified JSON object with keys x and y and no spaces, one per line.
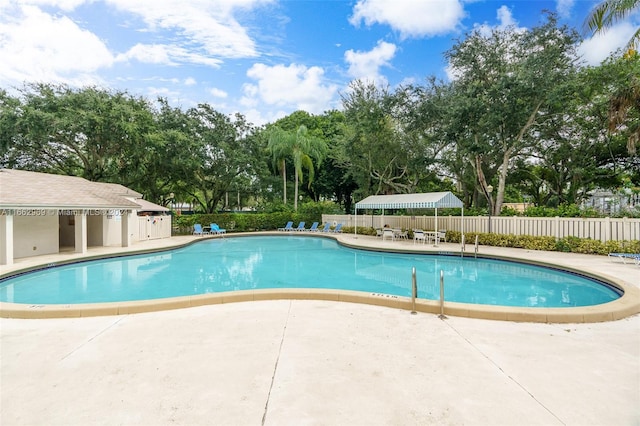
{"x":42,"y":213}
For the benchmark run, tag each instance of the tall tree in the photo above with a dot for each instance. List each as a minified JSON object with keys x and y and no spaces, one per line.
{"x":626,"y":99}
{"x":160,"y":167}
{"x":427,"y":116}
{"x":500,"y":95}
{"x":279,"y":146}
{"x":333,"y":182}
{"x":225,"y":150}
{"x":9,"y":114}
{"x":84,"y":132}
{"x":303,"y":148}
{"x":370,"y":148}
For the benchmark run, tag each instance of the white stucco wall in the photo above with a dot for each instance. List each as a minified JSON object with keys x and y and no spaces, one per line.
{"x":95,"y":233}
{"x":112,"y":230}
{"x":35,"y":235}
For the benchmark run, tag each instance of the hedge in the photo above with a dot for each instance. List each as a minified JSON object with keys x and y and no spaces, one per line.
{"x":568,"y":245}
{"x":244,"y":222}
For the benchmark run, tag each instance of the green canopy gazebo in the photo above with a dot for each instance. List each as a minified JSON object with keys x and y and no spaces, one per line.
{"x":426,"y":200}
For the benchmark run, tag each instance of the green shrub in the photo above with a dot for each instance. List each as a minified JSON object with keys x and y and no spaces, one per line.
{"x":362,"y":230}
{"x":528,"y":242}
{"x":244,"y":222}
{"x":563,"y":210}
{"x":317,"y":209}
{"x":509,"y":211}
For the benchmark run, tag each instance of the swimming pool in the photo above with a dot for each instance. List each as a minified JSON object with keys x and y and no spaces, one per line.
{"x":283,"y":262}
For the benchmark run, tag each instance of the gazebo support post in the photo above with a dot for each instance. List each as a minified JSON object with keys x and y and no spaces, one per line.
{"x":355,"y":224}
{"x":436,"y":236}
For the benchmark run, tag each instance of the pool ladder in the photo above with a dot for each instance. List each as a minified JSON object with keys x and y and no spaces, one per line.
{"x":414,"y":293}
{"x":463,"y":247}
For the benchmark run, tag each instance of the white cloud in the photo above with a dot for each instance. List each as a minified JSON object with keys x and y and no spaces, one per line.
{"x":411,"y":18}
{"x":36,"y":46}
{"x":366,"y":65}
{"x":148,"y":53}
{"x":167,"y":54}
{"x":564,"y":7}
{"x":505,"y":20}
{"x":260,"y":118}
{"x":190,"y":81}
{"x":66,"y":5}
{"x":505,"y":17}
{"x":207,"y":25}
{"x":595,"y":49}
{"x":294,"y":86}
{"x":218,"y":93}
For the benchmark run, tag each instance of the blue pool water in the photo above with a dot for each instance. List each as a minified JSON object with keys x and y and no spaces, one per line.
{"x":220,"y":265}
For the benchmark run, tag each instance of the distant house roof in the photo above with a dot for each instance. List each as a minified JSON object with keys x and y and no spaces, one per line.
{"x":427,"y":200}
{"x":23,"y":189}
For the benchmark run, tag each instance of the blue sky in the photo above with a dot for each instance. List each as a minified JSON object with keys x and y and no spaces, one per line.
{"x":262,"y":58}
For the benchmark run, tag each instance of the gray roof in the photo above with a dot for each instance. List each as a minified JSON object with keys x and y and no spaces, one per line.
{"x":23,"y":189}
{"x":148,"y":206}
{"x":427,"y":200}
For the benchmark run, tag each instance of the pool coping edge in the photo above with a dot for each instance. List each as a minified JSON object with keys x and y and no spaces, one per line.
{"x":628,"y":304}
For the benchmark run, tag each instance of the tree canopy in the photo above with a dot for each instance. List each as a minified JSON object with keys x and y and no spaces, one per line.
{"x":522,"y":116}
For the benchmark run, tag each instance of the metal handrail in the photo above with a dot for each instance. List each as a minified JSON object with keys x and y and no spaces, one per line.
{"x":442,"y":316}
{"x":476,"y":248}
{"x":414,"y":290}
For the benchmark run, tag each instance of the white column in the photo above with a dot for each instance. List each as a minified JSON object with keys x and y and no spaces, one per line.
{"x":125,"y":216}
{"x":80,"y":229}
{"x":6,"y":240}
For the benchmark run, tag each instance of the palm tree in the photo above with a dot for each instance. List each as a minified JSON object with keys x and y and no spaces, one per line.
{"x":610,"y":12}
{"x":304,"y":148}
{"x":603,"y":17}
{"x":279,"y":145}
{"x":623,"y":102}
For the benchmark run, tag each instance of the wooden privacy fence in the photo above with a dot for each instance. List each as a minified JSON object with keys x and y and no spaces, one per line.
{"x":154,"y":227}
{"x":603,"y":229}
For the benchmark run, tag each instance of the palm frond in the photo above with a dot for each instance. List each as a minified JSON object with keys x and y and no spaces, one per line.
{"x":608,"y":13}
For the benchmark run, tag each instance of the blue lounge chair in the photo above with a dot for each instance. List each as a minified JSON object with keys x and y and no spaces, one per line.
{"x":215,"y":229}
{"x":314,"y":227}
{"x":197,"y":230}
{"x":327,"y":227}
{"x":300,"y":227}
{"x":631,"y":256}
{"x":338,"y":228}
{"x":288,"y":227}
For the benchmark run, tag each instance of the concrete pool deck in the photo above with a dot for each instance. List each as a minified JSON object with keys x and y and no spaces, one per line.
{"x":321,"y":362}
